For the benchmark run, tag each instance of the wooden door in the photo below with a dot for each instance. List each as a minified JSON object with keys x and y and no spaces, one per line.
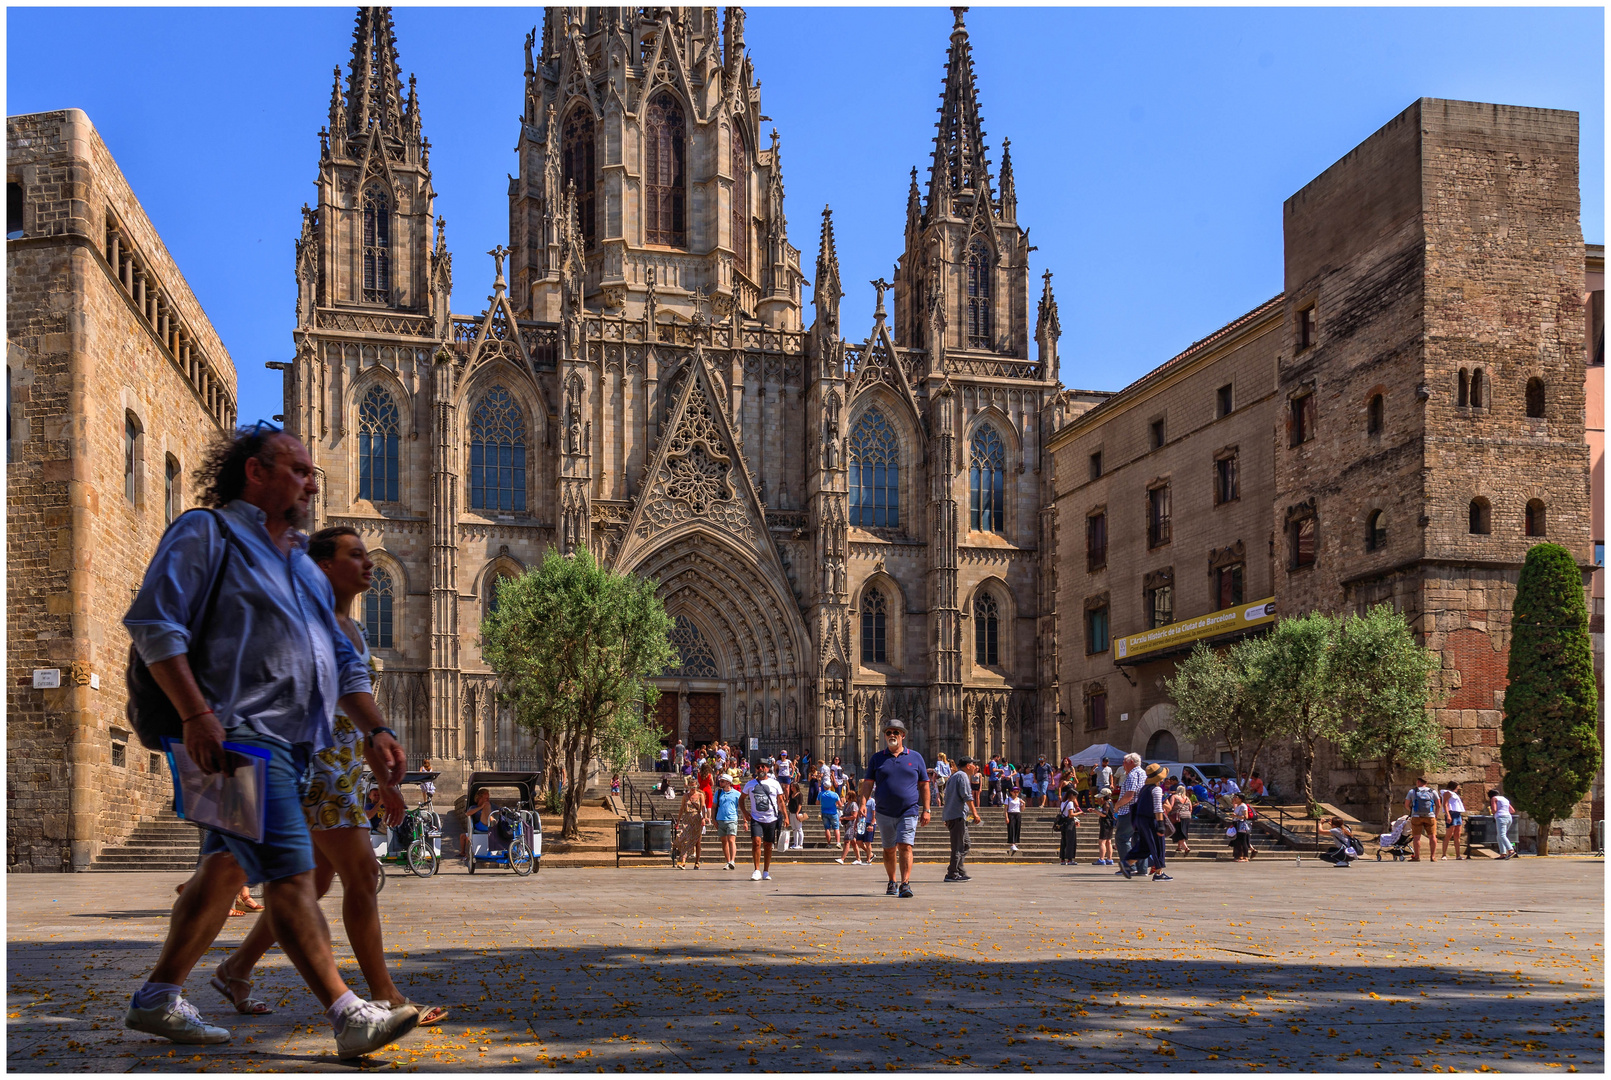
{"x":704,"y":719}
{"x":665,"y":714}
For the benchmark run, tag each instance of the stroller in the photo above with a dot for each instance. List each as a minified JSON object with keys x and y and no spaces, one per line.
{"x":1395,"y":841}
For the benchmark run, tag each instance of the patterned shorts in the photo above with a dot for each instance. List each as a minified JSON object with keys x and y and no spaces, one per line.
{"x":335,"y":797}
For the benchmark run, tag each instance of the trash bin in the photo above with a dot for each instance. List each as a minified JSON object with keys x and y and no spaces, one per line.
{"x":656,"y":837}
{"x":628,"y":839}
{"x":1480,"y":829}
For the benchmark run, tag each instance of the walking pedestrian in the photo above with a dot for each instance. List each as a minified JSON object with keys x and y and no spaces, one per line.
{"x":690,"y":825}
{"x":1043,"y":776}
{"x":1149,"y":825}
{"x":959,"y":802}
{"x":335,"y":814}
{"x":1454,"y":812}
{"x":1134,"y":777}
{"x":828,"y":803}
{"x":850,"y":818}
{"x":1013,"y":809}
{"x":1179,"y":814}
{"x":899,"y":784}
{"x":1242,"y":842}
{"x":271,"y":665}
{"x":1106,"y":824}
{"x":762,"y":804}
{"x":1103,"y":777}
{"x":797,"y":816}
{"x":1422,"y":803}
{"x":1068,"y":819}
{"x":1502,"y":818}
{"x":725,"y":810}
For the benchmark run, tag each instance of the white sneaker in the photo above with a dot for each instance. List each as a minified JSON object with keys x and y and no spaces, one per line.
{"x":766,"y":875}
{"x":755,"y":876}
{"x":1015,"y":847}
{"x":840,"y":860}
{"x":366,"y":1027}
{"x":176,"y":1020}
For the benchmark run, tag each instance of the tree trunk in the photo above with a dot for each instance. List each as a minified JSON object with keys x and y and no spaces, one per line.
{"x":1387,"y":794}
{"x":1543,"y":836}
{"x":568,"y":827}
{"x":1308,"y":774}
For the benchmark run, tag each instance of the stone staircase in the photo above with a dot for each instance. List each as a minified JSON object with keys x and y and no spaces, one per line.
{"x":1038,"y":842}
{"x":166,"y":842}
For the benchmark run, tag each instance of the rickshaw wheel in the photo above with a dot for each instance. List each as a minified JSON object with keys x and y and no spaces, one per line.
{"x":472,"y":860}
{"x":422,"y":857}
{"x":380,"y":878}
{"x":519,"y":858}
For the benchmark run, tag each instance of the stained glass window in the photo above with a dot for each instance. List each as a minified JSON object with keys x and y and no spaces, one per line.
{"x":377,"y":247}
{"x":875,"y":473}
{"x":986,"y":630}
{"x":498,"y":454}
{"x":378,"y":431}
{"x":695,"y":658}
{"x":873,"y":627}
{"x":741,"y":204}
{"x":577,"y":156}
{"x":979,"y":296}
{"x":664,"y":152}
{"x":987,"y":481}
{"x":378,"y":610}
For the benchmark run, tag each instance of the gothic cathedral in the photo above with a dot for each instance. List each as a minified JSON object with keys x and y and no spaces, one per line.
{"x":844,"y":529}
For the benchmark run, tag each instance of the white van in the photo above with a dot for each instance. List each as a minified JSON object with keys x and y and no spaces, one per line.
{"x":1198,"y":772}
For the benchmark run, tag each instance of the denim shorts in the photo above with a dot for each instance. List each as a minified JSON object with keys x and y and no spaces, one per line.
{"x":727,"y":828}
{"x":830,"y":822}
{"x":287,"y":847}
{"x":898,"y":830}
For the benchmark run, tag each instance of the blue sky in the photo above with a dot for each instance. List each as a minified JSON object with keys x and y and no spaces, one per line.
{"x":1152,"y":147}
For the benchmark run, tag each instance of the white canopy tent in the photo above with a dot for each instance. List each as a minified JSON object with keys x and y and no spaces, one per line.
{"x":1092,"y":755}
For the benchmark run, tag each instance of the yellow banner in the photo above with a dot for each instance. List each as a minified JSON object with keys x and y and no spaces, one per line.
{"x":1211,"y":625}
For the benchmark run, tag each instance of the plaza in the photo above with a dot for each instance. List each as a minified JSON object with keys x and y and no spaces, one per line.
{"x":1271,"y":965}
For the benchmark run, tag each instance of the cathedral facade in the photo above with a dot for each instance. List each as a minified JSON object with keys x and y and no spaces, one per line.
{"x":845,"y":525}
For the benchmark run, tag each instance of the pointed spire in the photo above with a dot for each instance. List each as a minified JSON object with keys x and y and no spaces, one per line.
{"x":827,"y":291}
{"x":914,"y":204}
{"x":1046,"y":318}
{"x":374,"y":83}
{"x":1009,"y":193}
{"x":338,"y":110}
{"x":960,"y":165}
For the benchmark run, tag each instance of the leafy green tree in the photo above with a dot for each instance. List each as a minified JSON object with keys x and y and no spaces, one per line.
{"x":1214,"y":702}
{"x":573,"y":644}
{"x":1293,"y":688}
{"x":1383,"y":682}
{"x":1550,"y":751}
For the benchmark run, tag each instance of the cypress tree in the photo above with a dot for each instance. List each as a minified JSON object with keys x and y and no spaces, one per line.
{"x":1550,"y":751}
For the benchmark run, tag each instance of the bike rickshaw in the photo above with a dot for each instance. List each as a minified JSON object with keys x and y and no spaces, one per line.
{"x":416,"y":843}
{"x":517,"y":826}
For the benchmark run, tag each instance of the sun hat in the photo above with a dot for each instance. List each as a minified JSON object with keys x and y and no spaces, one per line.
{"x":894,"y":725}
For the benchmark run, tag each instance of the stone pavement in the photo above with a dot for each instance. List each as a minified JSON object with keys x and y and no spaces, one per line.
{"x":1471,"y":965}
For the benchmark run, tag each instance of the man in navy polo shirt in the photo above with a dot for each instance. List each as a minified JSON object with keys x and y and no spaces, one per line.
{"x":899,"y":783}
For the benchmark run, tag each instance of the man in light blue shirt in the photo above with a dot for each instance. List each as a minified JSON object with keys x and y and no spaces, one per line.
{"x":267,"y":673}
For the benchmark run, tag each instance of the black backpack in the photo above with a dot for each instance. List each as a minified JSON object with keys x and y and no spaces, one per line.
{"x":151,"y":713}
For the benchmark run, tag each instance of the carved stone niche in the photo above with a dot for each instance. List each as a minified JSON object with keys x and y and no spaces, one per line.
{"x":1226,"y":556}
{"x":1158,"y":578}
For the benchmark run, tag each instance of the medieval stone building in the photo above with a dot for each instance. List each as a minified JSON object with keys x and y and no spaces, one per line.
{"x":844,"y":528}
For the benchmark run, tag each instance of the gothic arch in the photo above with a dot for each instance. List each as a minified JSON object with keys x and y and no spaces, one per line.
{"x":1005,"y":426}
{"x":393,"y":568}
{"x":1007,"y":617}
{"x":1012,"y":467}
{"x":534,"y":409}
{"x":895,"y":617}
{"x":377,"y":374}
{"x":901,"y":414}
{"x":501,"y":564}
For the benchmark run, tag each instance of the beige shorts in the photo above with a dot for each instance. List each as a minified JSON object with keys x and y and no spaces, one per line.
{"x":1419,"y":825}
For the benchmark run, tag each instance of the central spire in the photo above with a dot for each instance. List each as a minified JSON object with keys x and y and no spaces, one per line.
{"x":374,"y":81}
{"x":960,"y":166}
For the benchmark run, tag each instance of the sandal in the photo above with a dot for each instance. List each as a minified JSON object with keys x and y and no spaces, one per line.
{"x":251,"y":904}
{"x":246,"y":1006}
{"x":429,"y":1014}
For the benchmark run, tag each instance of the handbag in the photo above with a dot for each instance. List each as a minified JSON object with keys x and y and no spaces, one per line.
{"x":1230,"y":832}
{"x":150,"y":712}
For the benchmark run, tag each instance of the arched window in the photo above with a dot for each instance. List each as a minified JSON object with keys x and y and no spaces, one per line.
{"x":664,"y":151}
{"x":979,"y":336}
{"x":378,"y":430}
{"x":987,"y":480}
{"x":695,"y":658}
{"x":173,"y":495}
{"x":576,"y":156}
{"x":874,"y":613}
{"x":1463,"y":389}
{"x":1535,"y":396}
{"x":1480,"y":518}
{"x":986,"y":630}
{"x":1373,"y":415}
{"x":493,"y":581}
{"x":1376,"y":531}
{"x":133,"y":457}
{"x":1478,"y":392}
{"x":378,"y":610}
{"x":377,"y":246}
{"x":1535,"y":517}
{"x":875,"y":473}
{"x":741,"y":204}
{"x":498,"y":454}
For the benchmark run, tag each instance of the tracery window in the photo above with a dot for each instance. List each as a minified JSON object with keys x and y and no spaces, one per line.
{"x":133,"y":457}
{"x":987,"y":481}
{"x":664,"y":151}
{"x":979,"y":336}
{"x":695,"y":660}
{"x":377,"y":246}
{"x":378,"y":431}
{"x":741,"y":204}
{"x":874,"y":613}
{"x":378,"y":610}
{"x":498,"y":454}
{"x":986,"y":630}
{"x":577,"y":160}
{"x":172,"y":492}
{"x":875,"y":473}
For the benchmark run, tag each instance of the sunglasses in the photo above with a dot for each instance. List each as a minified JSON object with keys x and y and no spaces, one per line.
{"x":262,"y":426}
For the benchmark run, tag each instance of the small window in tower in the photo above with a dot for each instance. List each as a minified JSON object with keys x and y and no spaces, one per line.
{"x":1535,"y":397}
{"x":1479,"y":392}
{"x":1479,"y":517}
{"x":120,"y":754}
{"x":1535,"y":517}
{"x":1226,"y":401}
{"x":577,"y":160}
{"x":1303,"y":418}
{"x":1096,"y":465}
{"x":1374,"y":415}
{"x":1376,"y":531}
{"x":14,"y":211}
{"x":1156,"y":433}
{"x":377,"y":254}
{"x":1462,"y":393}
{"x":1308,"y":327}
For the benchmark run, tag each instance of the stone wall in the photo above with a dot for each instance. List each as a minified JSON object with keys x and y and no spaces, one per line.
{"x":86,"y":352}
